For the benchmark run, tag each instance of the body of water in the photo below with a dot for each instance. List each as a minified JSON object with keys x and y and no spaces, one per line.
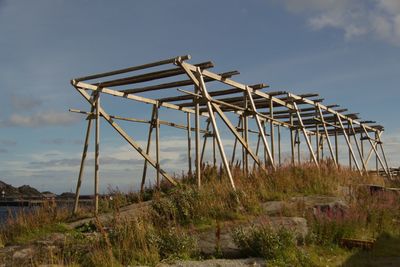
{"x":6,"y":211}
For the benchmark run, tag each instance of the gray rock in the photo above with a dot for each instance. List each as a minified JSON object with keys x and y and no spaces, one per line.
{"x":273,"y":207}
{"x":24,"y":254}
{"x":256,"y":262}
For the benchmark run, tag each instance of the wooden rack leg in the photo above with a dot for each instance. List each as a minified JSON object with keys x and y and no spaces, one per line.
{"x":82,"y":166}
{"x":203,"y":150}
{"x":279,"y":146}
{"x":292,"y":140}
{"x":97,"y":154}
{"x":158,"y":178}
{"x":216,"y":132}
{"x":151,"y":126}
{"x":197,"y":138}
{"x":234,"y":147}
{"x":189,"y":136}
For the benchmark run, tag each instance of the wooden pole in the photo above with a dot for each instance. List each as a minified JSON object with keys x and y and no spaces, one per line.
{"x":358,"y":148}
{"x":124,"y":135}
{"x":336,"y":144}
{"x":279,"y":145}
{"x":327,"y":137}
{"x":97,"y":154}
{"x":306,"y":137}
{"x":189,"y":136}
{"x":205,"y":142}
{"x":214,"y":152}
{"x":234,"y":146}
{"x":271,"y":125}
{"x":158,"y":180}
{"x":348,"y":144}
{"x":388,"y":172}
{"x":260,"y":127}
{"x":82,"y":166}
{"x":317,"y":136}
{"x":197,"y":137}
{"x":151,"y":126}
{"x":246,"y":136}
{"x":292,"y":141}
{"x":214,"y":123}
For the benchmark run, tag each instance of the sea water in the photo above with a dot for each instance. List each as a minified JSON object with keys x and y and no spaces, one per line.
{"x":7,"y":211}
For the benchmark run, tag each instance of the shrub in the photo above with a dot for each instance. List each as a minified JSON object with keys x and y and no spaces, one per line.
{"x":278,"y":247}
{"x":173,"y":243}
{"x":131,"y":242}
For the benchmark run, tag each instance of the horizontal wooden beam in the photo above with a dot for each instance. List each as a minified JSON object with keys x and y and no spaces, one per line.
{"x":176,"y":84}
{"x":141,"y":99}
{"x":151,"y":76}
{"x":213,"y":93}
{"x":135,"y":68}
{"x":307,"y":114}
{"x":354,"y":121}
{"x":91,"y":115}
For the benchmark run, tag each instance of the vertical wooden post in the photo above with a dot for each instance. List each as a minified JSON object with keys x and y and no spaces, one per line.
{"x":376,"y":154}
{"x":327,"y":137}
{"x":214,"y":152}
{"x":243,"y":149}
{"x":298,"y":147}
{"x":265,"y":149}
{"x":234,"y":145}
{"x":362,"y":145}
{"x":272,"y":130}
{"x":257,"y":149}
{"x":348,"y":143}
{"x":205,"y":142}
{"x":97,"y":154}
{"x":388,"y":172}
{"x":151,"y":126}
{"x":336,"y":143}
{"x":279,"y":146}
{"x":158,"y":147}
{"x":317,"y":136}
{"x":197,"y":138}
{"x":292,"y":140}
{"x":358,"y":147}
{"x":246,"y":138}
{"x":189,"y":136}
{"x":82,"y":166}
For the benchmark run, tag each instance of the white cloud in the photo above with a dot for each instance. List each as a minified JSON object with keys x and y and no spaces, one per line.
{"x":39,"y":119}
{"x":379,"y":19}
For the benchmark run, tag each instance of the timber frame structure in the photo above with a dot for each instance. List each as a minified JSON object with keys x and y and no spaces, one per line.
{"x":270,"y":112}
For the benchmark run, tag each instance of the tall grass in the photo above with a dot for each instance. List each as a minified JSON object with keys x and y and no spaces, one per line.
{"x":34,"y":222}
{"x":165,"y":231}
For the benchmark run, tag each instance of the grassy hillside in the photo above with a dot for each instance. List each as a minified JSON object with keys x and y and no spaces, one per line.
{"x":168,"y":227}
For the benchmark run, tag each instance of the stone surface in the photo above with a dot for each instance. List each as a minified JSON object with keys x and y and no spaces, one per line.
{"x":256,"y":262}
{"x":22,"y":254}
{"x":210,"y":243}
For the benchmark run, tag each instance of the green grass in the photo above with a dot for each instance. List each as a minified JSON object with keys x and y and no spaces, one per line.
{"x":166,"y":232}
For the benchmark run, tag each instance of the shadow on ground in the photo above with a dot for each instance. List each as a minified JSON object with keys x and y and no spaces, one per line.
{"x":386,"y":252}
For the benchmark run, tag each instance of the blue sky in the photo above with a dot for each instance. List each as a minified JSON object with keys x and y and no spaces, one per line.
{"x":346,"y":50}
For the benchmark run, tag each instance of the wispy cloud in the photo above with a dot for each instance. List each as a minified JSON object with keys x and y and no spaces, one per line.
{"x":379,"y":19}
{"x":8,"y":142}
{"x":60,"y":141}
{"x":25,"y":102}
{"x":40,"y":119}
